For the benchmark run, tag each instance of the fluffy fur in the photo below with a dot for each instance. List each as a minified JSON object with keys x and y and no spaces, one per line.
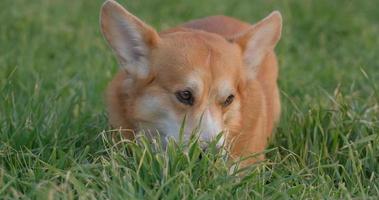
{"x":214,"y":58}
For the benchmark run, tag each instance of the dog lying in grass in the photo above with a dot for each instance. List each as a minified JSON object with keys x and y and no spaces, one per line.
{"x":217,"y":73}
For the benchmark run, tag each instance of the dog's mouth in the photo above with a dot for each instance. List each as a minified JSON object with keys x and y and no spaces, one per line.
{"x":160,"y":133}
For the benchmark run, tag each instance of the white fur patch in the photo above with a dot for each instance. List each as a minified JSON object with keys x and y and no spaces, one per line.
{"x":156,"y":118}
{"x":225,"y":89}
{"x":195,"y":82}
{"x":210,"y":126}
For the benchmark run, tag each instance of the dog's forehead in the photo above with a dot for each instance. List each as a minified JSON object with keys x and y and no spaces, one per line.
{"x":202,"y":59}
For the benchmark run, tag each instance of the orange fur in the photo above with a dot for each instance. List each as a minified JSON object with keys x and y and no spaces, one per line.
{"x":212,"y":56}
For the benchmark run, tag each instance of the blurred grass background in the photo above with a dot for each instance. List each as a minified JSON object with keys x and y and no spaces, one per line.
{"x":54,"y":67}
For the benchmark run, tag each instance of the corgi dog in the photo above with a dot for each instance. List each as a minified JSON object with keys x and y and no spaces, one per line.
{"x":217,"y":73}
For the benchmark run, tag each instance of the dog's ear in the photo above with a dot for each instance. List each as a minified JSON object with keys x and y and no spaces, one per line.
{"x":259,"y":40}
{"x":130,"y":38}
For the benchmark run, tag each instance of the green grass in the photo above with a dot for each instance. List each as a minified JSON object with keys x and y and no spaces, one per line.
{"x":54,"y":136}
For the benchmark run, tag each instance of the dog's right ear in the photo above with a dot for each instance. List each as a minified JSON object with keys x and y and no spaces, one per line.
{"x":130,"y":38}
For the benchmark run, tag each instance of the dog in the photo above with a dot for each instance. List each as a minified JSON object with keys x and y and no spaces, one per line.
{"x":217,"y":73}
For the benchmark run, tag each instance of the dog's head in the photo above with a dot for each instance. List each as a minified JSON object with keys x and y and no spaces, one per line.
{"x":194,"y":75}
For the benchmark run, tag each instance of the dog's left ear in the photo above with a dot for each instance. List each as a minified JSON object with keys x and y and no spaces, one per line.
{"x":259,"y":40}
{"x":130,"y":38}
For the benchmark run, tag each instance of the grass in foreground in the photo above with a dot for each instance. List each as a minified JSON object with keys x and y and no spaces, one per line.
{"x":54,"y":137}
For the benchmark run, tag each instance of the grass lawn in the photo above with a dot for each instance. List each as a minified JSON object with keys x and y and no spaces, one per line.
{"x":54,"y":136}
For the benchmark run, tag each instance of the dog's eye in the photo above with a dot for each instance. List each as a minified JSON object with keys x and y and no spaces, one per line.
{"x":185,"y":97}
{"x":228,"y":100}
